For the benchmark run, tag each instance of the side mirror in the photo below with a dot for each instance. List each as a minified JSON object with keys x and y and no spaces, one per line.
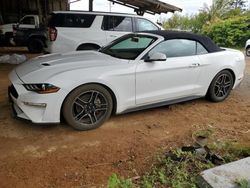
{"x":156,"y":57}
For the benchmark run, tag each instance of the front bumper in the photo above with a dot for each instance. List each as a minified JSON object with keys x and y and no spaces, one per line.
{"x":37,"y":108}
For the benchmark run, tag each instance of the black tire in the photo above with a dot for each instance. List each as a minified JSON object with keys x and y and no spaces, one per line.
{"x":248,"y":51}
{"x":8,"y":37}
{"x":35,"y":45}
{"x":87,"y":107}
{"x":221,"y":86}
{"x":88,"y":47}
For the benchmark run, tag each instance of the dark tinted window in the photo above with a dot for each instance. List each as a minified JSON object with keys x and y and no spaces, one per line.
{"x":146,"y":25}
{"x":71,"y":20}
{"x":117,"y":23}
{"x":28,"y":21}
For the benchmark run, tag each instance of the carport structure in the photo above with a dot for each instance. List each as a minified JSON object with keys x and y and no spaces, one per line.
{"x":140,"y":7}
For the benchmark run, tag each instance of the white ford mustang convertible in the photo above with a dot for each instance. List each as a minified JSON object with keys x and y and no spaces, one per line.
{"x":136,"y":71}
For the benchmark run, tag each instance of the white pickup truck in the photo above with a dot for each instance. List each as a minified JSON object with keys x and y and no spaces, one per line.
{"x":248,"y":47}
{"x":26,"y":23}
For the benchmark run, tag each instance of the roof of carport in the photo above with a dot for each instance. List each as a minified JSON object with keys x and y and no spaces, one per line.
{"x":149,"y":6}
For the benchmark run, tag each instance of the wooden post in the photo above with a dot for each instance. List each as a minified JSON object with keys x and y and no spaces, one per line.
{"x":39,"y":8}
{"x":91,"y":5}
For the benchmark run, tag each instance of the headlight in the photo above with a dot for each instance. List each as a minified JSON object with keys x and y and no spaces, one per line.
{"x":42,"y":88}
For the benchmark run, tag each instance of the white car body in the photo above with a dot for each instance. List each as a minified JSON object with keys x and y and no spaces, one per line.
{"x":70,"y":38}
{"x":134,"y":83}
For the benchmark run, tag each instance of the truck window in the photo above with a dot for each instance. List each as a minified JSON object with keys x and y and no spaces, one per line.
{"x":71,"y":20}
{"x":117,"y":23}
{"x":28,"y":21}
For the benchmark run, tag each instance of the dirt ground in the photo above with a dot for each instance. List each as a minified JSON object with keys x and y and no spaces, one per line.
{"x":58,"y":156}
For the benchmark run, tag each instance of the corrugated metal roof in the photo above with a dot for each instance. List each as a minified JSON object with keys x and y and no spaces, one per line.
{"x":149,"y":6}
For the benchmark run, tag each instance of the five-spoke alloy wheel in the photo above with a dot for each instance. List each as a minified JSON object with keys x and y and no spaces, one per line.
{"x":221,"y":86}
{"x":87,"y":107}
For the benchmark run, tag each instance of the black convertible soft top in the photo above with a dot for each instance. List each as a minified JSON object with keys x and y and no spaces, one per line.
{"x":204,"y":40}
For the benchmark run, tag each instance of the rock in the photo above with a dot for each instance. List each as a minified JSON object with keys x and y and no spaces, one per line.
{"x":225,"y":176}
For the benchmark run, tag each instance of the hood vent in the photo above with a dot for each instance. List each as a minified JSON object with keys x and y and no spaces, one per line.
{"x":45,"y":64}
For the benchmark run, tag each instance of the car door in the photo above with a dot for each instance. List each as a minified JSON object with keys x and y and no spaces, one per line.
{"x":172,"y":79}
{"x":116,"y":26}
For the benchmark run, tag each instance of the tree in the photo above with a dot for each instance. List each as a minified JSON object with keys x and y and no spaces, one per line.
{"x":224,"y":21}
{"x":238,"y":4}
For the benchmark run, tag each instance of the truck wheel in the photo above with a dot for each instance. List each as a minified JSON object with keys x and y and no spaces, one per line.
{"x":8,"y":36}
{"x":35,"y":46}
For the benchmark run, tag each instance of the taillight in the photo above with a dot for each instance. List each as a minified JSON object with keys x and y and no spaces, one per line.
{"x":52,"y":34}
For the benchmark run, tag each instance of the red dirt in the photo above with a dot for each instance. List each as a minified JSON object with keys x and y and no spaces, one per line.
{"x":58,"y":156}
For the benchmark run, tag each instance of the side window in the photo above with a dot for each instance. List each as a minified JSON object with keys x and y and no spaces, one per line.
{"x":176,"y":48}
{"x":77,"y":20}
{"x":71,"y":20}
{"x":200,"y":49}
{"x":145,"y":25}
{"x":117,"y":23}
{"x":28,"y":21}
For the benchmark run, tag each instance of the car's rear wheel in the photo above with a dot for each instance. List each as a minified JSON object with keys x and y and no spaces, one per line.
{"x":87,"y":107}
{"x":248,"y":51}
{"x":221,"y":86}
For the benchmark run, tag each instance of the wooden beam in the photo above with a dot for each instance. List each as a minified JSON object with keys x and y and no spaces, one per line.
{"x":91,"y":5}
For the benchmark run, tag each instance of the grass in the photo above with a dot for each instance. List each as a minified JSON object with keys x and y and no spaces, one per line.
{"x":181,"y":169}
{"x":119,"y":182}
{"x":242,"y":183}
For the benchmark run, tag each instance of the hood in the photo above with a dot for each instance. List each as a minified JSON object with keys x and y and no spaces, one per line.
{"x":43,"y":67}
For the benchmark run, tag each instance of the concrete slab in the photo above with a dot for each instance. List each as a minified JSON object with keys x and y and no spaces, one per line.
{"x":225,"y":176}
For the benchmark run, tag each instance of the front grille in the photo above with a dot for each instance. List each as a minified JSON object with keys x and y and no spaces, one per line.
{"x":13,"y":92}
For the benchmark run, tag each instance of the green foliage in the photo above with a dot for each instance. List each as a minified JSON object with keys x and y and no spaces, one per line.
{"x":225,"y":21}
{"x":182,"y":171}
{"x":229,"y":151}
{"x":116,"y":182}
{"x":232,"y":32}
{"x":242,"y":183}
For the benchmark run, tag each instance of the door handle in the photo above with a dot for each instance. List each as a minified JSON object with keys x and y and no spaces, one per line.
{"x":194,"y":65}
{"x":113,"y":36}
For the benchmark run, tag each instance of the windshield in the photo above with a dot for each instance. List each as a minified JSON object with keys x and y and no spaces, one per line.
{"x":128,"y":47}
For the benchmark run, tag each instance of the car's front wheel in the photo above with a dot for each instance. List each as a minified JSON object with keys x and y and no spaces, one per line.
{"x":221,"y":86}
{"x":87,"y":107}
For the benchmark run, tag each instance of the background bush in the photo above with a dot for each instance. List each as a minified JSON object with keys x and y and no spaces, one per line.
{"x":227,"y":22}
{"x":231,"y":32}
